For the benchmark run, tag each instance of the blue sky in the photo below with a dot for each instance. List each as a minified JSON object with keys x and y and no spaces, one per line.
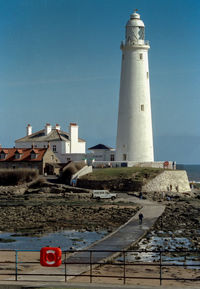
{"x":60,"y":62}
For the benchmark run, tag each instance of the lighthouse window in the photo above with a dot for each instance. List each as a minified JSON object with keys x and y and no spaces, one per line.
{"x":147,"y":74}
{"x":141,"y":33}
{"x":142,"y":107}
{"x":124,"y":157}
{"x":141,"y":56}
{"x":112,"y":158}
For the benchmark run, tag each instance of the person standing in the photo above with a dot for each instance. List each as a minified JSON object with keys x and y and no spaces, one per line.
{"x":140,"y":218}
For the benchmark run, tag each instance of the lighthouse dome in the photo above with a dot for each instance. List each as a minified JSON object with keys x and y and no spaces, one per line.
{"x":135,"y":20}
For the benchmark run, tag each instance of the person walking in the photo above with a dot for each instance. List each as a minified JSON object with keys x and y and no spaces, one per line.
{"x":140,"y":218}
{"x":140,"y":195}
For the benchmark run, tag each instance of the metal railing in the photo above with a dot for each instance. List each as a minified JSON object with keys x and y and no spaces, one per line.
{"x":86,"y":261}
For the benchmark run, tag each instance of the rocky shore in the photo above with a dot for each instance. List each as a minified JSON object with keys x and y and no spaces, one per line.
{"x":181,"y":219}
{"x":36,"y":209}
{"x":28,"y":211}
{"x":180,"y":222}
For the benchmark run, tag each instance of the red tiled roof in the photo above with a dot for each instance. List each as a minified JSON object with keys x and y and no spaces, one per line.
{"x":4,"y":151}
{"x":20,"y":151}
{"x":25,"y":154}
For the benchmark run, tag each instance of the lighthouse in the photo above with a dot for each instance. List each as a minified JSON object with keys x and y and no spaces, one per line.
{"x":134,"y":131}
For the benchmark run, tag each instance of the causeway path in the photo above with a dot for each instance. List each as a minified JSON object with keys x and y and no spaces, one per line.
{"x":124,"y":236}
{"x":121,"y":239}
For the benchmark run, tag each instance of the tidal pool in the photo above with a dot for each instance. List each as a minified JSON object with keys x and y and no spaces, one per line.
{"x":180,"y":251}
{"x":66,"y":240}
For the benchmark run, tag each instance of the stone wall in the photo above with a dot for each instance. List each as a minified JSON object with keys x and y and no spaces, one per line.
{"x":23,"y":165}
{"x":169,"y":181}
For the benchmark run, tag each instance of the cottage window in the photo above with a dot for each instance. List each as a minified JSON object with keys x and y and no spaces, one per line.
{"x":17,"y":155}
{"x":2,"y":156}
{"x":33,"y":156}
{"x":54,"y":148}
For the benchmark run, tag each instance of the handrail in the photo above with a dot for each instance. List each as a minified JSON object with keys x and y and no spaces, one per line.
{"x":91,"y":263}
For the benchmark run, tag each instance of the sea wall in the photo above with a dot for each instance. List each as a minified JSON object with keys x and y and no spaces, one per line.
{"x":174,"y":181}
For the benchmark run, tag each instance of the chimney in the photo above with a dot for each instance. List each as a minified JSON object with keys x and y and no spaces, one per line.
{"x":28,"y":130}
{"x":47,"y":128}
{"x":57,"y":126}
{"x":73,"y":132}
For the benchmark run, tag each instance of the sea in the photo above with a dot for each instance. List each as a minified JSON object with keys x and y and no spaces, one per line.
{"x":193,"y":171}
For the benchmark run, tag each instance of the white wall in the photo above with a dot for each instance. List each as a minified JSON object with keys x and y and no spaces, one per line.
{"x":82,"y":147}
{"x":48,"y":129}
{"x":64,"y":158}
{"x":75,"y":145}
{"x":28,"y":129}
{"x":65,"y":147}
{"x":75,"y":148}
{"x":102,"y":155}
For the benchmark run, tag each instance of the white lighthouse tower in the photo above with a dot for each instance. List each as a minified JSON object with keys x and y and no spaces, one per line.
{"x":134,"y":132}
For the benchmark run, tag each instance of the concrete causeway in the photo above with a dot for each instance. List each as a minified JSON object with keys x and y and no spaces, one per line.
{"x":121,"y":239}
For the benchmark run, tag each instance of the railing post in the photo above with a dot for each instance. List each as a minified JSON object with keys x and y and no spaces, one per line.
{"x":160,"y":268}
{"x":90,"y":266}
{"x":65,"y":268}
{"x":16,"y":261}
{"x":124,"y":259}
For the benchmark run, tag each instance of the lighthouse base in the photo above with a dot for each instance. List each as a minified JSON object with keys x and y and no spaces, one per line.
{"x":115,"y":164}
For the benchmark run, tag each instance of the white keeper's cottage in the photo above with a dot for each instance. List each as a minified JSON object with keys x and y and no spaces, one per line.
{"x":65,"y":145}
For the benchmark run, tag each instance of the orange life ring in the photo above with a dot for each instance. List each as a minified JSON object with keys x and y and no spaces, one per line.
{"x":166,"y":163}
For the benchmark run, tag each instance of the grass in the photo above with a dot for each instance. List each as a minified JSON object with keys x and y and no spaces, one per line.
{"x":136,"y":173}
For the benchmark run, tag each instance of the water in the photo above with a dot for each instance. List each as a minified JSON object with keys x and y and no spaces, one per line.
{"x":161,"y":242}
{"x":193,"y":171}
{"x":63,"y":239}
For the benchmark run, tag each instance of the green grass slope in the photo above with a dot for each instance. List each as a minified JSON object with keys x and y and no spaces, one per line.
{"x":136,"y":173}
